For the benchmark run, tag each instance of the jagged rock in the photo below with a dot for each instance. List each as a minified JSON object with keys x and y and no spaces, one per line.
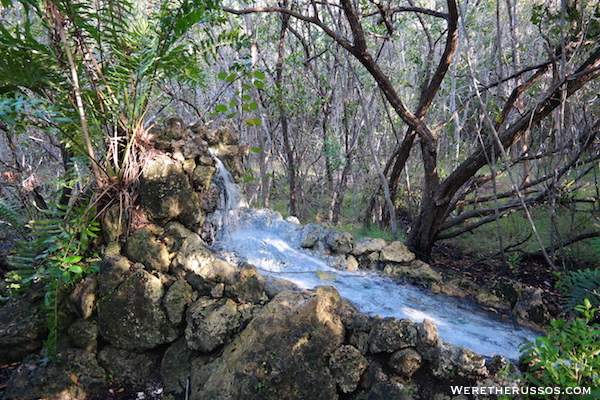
{"x":389,"y":334}
{"x":113,"y":271}
{"x":174,"y":128}
{"x":113,"y":223}
{"x":312,"y":235}
{"x":210,"y":199}
{"x":417,"y":270}
{"x":166,"y":193}
{"x":175,"y":367}
{"x":282,"y":354}
{"x":195,"y":258}
{"x":132,"y":318}
{"x":454,"y":361}
{"x":22,"y":329}
{"x":351,"y":264}
{"x":249,"y":286}
{"x":368,"y":245}
{"x":83,"y":296}
{"x":396,"y":252}
{"x":347,"y":365}
{"x":73,"y":375}
{"x":83,"y":334}
{"x":202,"y":177}
{"x":144,"y":248}
{"x":176,"y":300}
{"x":340,"y":242}
{"x":530,"y":310}
{"x":211,"y":323}
{"x":136,"y":368}
{"x":428,"y":339}
{"x":378,"y":386}
{"x":406,"y":362}
{"x":175,"y":234}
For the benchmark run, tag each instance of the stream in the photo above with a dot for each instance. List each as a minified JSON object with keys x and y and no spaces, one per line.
{"x":272,"y":244}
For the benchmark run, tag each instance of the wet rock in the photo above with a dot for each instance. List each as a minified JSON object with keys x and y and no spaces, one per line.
{"x":211,"y":323}
{"x":347,"y":365}
{"x":176,"y":300}
{"x":202,"y":177}
{"x":113,"y":271}
{"x":396,"y":252}
{"x":389,"y":334}
{"x":132,"y":318}
{"x":175,"y":367}
{"x":454,"y":361}
{"x":249,"y":286}
{"x":22,"y":329}
{"x":428,"y":338}
{"x":406,"y":362}
{"x":166,"y":193}
{"x":136,"y":368}
{"x":83,"y":334}
{"x":144,"y":248}
{"x":368,"y":245}
{"x":83,"y":296}
{"x":378,"y":386}
{"x":194,"y":257}
{"x":339,"y":242}
{"x":282,"y":354}
{"x":416,"y":269}
{"x":313,"y":236}
{"x":210,"y":198}
{"x":74,"y":375}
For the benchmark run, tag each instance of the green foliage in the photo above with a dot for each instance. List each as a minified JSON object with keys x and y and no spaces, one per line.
{"x":568,"y":357}
{"x":11,"y":218}
{"x":581,"y":285}
{"x":55,"y":257}
{"x":242,"y":99}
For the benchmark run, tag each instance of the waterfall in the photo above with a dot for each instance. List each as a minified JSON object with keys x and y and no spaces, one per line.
{"x":270,"y":243}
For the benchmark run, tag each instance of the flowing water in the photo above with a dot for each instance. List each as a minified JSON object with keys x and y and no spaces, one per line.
{"x":262,"y":238}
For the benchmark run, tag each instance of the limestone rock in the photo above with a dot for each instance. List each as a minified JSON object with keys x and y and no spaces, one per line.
{"x":530,"y":310}
{"x":390,"y":334}
{"x":195,"y":258}
{"x":396,"y":252}
{"x":417,"y":270}
{"x":113,"y":271}
{"x":176,"y":365}
{"x":378,"y":386}
{"x":166,"y":193}
{"x":211,"y":323}
{"x":455,"y":361}
{"x":144,"y":248}
{"x":113,"y":223}
{"x":177,"y":298}
{"x":202,"y":176}
{"x":347,"y":365}
{"x":174,"y":234}
{"x":84,"y":334}
{"x":282,"y":354}
{"x":83,"y":296}
{"x":22,"y":330}
{"x":406,"y":362}
{"x":249,"y":286}
{"x":340,"y":242}
{"x":132,"y":317}
{"x":368,"y":245}
{"x":129,"y":366}
{"x":427,"y":337}
{"x":73,"y":375}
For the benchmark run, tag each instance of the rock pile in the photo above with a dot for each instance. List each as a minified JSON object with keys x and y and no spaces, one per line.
{"x":164,"y":310}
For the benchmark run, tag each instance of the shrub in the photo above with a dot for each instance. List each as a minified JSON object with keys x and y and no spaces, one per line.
{"x":567,"y":356}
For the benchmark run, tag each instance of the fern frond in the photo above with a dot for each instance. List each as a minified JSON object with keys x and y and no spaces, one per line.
{"x":11,"y":218}
{"x":580,"y":285}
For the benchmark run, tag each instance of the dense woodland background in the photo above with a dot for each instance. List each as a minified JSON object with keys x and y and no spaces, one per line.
{"x":425,"y":120}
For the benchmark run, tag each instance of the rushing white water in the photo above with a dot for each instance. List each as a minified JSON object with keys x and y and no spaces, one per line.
{"x":263,"y":239}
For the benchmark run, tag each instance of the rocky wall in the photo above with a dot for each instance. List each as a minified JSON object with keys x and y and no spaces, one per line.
{"x":168,"y":319}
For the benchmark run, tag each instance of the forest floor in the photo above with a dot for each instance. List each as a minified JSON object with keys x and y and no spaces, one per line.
{"x":453,"y":262}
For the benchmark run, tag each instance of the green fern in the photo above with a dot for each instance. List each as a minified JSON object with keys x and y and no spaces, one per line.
{"x":580,"y":285}
{"x":11,"y":218}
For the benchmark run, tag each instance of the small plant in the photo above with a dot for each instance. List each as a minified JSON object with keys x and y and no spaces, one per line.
{"x":580,"y":285}
{"x":568,"y":356}
{"x":55,"y":257}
